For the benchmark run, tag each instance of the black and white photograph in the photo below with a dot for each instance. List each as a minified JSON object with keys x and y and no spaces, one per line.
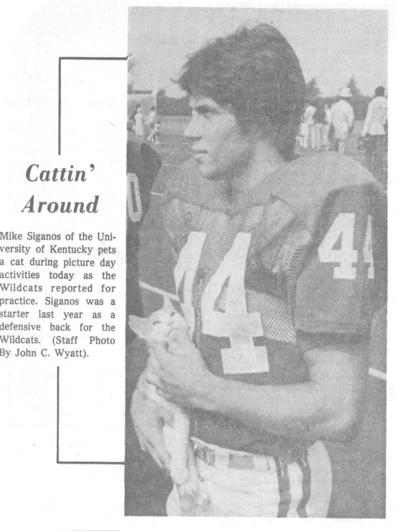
{"x":257,"y":178}
{"x":198,"y":265}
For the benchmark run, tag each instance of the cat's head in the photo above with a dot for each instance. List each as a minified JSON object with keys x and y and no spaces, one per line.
{"x":159,"y":324}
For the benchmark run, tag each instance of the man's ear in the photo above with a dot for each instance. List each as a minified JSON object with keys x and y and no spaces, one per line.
{"x":138,"y":325}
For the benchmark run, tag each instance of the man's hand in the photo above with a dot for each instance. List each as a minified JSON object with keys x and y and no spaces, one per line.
{"x":179,"y":372}
{"x":149,"y":419}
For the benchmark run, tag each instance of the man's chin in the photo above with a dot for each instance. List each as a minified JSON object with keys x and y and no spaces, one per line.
{"x":209,"y":173}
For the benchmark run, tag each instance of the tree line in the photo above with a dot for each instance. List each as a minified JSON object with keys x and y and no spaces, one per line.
{"x":168,"y":106}
{"x":358,"y":100}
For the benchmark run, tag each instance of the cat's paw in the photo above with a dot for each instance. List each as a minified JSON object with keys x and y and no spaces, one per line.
{"x":188,"y":490}
{"x":193,"y":501}
{"x":179,"y":474}
{"x":188,"y":506}
{"x":203,"y":501}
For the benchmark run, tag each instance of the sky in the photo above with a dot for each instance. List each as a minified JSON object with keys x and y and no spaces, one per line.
{"x":331,"y":44}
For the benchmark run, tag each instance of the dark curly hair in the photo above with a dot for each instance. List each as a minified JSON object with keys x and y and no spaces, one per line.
{"x":254,"y":73}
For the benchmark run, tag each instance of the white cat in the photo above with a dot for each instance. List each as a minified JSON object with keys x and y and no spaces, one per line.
{"x":155,"y":329}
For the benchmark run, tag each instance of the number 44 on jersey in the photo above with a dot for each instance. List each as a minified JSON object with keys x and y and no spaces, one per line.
{"x":338,"y":247}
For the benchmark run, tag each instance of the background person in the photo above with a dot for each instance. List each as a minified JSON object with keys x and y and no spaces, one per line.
{"x":139,"y":124}
{"x":319,"y":124}
{"x":327,"y":127}
{"x":342,"y":120}
{"x":143,"y":165}
{"x":154,"y":122}
{"x":151,"y":121}
{"x":375,"y":132}
{"x":309,"y":132}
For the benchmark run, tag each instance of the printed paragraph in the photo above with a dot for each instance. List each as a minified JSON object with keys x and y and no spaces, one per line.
{"x":57,"y":294}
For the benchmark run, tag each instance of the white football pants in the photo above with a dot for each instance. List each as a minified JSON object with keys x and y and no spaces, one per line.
{"x":272,"y":489}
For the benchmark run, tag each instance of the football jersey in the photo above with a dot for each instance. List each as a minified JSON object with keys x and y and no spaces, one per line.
{"x":143,"y":164}
{"x":298,"y":262}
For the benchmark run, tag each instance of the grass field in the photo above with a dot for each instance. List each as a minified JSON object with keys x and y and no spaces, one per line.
{"x":358,"y":466}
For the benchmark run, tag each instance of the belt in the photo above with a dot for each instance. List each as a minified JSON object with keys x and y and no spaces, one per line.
{"x":227,"y":459}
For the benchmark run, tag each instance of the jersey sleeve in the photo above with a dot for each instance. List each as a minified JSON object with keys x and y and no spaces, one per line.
{"x":343,"y":281}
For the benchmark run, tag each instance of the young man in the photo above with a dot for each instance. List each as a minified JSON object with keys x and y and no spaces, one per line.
{"x":375,"y":132}
{"x":309,"y":122}
{"x":342,"y":120}
{"x":278,"y":272}
{"x":139,"y":124}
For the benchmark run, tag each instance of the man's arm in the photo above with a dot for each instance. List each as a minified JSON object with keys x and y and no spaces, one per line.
{"x":351,"y":118}
{"x":325,"y":407}
{"x":367,"y":121}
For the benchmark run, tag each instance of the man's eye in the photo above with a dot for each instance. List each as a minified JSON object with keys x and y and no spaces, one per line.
{"x":157,"y":322}
{"x":172,"y":314}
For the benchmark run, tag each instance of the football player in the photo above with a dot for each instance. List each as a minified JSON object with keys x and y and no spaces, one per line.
{"x":279,"y":270}
{"x":143,"y":165}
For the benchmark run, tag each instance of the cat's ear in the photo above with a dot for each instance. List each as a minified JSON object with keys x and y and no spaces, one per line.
{"x":168,"y":306}
{"x":138,"y":325}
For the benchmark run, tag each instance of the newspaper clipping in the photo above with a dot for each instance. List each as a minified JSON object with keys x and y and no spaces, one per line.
{"x":193,"y":266}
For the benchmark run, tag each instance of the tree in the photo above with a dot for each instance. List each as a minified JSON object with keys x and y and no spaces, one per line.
{"x":312,"y":90}
{"x":358,"y":100}
{"x":353,"y":86}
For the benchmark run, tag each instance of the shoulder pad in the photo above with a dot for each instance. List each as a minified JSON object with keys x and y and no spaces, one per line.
{"x":305,"y":183}
{"x":310,"y":179}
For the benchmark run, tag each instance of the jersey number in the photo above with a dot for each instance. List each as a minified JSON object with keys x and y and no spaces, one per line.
{"x":234,"y":322}
{"x":342,"y":230}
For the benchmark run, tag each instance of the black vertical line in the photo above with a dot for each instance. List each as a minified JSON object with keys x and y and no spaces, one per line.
{"x":59,"y":106}
{"x":58,"y":416}
{"x":58,"y":368}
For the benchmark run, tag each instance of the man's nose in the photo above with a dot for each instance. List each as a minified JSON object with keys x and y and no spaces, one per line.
{"x":192,"y":130}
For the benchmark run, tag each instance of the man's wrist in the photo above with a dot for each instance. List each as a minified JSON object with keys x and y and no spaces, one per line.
{"x":207,"y":395}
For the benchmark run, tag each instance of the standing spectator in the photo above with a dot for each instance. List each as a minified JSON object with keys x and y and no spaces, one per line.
{"x":151,"y":121}
{"x":157,"y":129}
{"x":376,"y":139}
{"x":139,"y":123}
{"x":154,"y":126}
{"x":342,"y":120}
{"x":327,"y":127}
{"x":309,"y":134}
{"x":152,"y":117}
{"x":301,"y":133}
{"x":319,"y":124}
